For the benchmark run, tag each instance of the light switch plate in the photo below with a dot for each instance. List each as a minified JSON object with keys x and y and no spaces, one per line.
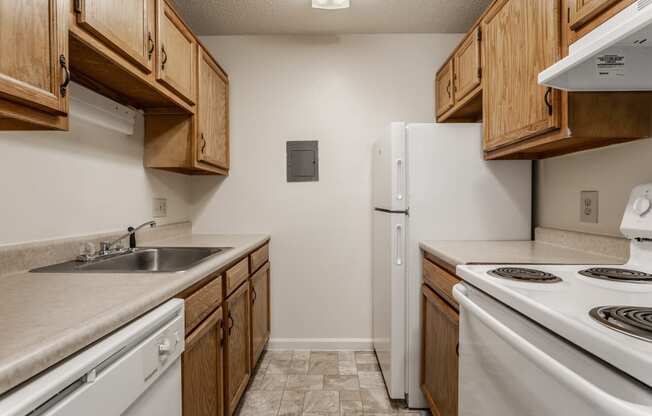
{"x":589,"y":207}
{"x":159,"y":207}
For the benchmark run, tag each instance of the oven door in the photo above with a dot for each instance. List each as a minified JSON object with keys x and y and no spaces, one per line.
{"x":509,"y":365}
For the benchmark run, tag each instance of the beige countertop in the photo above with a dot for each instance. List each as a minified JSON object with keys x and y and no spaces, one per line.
{"x":455,"y":253}
{"x":45,"y":318}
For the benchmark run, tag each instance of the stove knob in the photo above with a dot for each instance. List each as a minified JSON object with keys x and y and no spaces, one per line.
{"x":641,"y":205}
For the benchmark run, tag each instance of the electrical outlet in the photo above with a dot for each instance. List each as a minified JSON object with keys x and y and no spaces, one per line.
{"x":589,"y":207}
{"x":159,"y":208}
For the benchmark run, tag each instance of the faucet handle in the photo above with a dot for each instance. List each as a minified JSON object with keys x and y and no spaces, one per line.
{"x":87,"y":249}
{"x":104,"y":246}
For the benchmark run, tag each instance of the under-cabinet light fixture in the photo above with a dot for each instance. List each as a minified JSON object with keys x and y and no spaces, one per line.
{"x":331,"y":4}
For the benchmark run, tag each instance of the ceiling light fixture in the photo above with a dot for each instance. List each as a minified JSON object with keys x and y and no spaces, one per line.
{"x":331,"y":4}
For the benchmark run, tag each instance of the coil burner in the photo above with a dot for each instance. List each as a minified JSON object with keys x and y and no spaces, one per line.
{"x":634,"y":321}
{"x":617,"y":275}
{"x":524,"y":275}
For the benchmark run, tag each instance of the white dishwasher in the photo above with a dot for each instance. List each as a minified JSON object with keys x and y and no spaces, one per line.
{"x":135,"y":371}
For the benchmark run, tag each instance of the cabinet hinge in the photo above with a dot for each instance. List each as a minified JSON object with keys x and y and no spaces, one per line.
{"x":78,"y":6}
{"x":479,"y":35}
{"x":479,"y":73}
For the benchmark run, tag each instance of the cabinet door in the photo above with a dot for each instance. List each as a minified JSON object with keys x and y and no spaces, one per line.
{"x":439,"y":360}
{"x":238,"y":354}
{"x":467,"y":65}
{"x":521,"y":38}
{"x":176,"y":53}
{"x":586,"y":10}
{"x":122,"y":25}
{"x":260,"y":312}
{"x":34,"y":56}
{"x":444,"y":89}
{"x":202,"y":366}
{"x":212,"y":113}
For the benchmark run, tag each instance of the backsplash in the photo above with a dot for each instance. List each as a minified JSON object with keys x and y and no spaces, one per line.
{"x":612,"y":171}
{"x":602,"y":245}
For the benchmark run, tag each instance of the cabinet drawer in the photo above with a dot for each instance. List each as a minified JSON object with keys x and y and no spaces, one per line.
{"x":201,"y":303}
{"x":259,"y":257}
{"x":236,"y":275}
{"x":440,"y":281}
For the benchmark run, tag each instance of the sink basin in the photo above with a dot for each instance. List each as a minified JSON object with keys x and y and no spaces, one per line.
{"x":140,"y":260}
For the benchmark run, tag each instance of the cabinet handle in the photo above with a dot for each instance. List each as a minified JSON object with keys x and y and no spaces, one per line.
{"x":220,"y":324}
{"x":203,"y":143}
{"x":448,"y":88}
{"x":150,"y":43}
{"x":457,"y":349}
{"x":230,"y":327}
{"x":63,"y":89}
{"x":254,"y":295}
{"x":548,"y":99}
{"x":165,"y":57}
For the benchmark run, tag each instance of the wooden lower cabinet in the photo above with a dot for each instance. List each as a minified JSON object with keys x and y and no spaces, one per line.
{"x":260,"y":312}
{"x":202,"y":364}
{"x":237,"y":346}
{"x":439,"y":349}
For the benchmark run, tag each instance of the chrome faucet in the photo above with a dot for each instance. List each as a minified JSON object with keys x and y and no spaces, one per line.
{"x":107,"y":247}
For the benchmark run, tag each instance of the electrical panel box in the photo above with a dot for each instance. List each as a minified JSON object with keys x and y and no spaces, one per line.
{"x":302,"y":161}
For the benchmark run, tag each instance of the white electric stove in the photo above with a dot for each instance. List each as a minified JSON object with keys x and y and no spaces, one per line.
{"x":560,"y":340}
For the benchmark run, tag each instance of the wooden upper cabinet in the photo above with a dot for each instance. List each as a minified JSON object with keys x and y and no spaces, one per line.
{"x":521,"y":38}
{"x":467,"y":66}
{"x":34,"y":62}
{"x":177,"y":51}
{"x":202,"y":369}
{"x":212,"y":113}
{"x":260,"y":312}
{"x":586,"y":10}
{"x":122,"y":25}
{"x":238,"y":355}
{"x":439,"y":360}
{"x":444,"y":94}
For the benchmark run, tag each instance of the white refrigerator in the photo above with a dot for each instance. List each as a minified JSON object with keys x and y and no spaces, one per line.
{"x":431,"y":182}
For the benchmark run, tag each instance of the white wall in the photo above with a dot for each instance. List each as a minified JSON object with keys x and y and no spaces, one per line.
{"x":84,"y":181}
{"x":612,"y":171}
{"x":342,"y":91}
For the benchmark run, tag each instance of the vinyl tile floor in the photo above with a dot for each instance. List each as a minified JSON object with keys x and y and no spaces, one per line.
{"x":319,"y":383}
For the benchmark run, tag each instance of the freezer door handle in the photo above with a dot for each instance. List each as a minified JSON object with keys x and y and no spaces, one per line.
{"x":399,"y":176}
{"x":573,"y":381}
{"x":399,"y":232}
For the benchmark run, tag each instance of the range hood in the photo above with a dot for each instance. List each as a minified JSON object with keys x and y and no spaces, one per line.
{"x":615,"y":56}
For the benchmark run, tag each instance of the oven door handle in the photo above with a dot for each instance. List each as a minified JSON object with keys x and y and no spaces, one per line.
{"x":574,"y":382}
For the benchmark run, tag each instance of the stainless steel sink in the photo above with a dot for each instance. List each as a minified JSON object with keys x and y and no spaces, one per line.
{"x":140,"y":260}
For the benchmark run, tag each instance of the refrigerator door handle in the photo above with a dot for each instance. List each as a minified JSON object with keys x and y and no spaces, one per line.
{"x":399,"y":229}
{"x":399,"y":169}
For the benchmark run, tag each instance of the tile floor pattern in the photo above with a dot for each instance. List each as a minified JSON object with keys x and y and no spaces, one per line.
{"x":318,"y":383}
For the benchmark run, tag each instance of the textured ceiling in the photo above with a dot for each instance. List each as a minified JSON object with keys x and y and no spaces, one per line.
{"x":239,"y":17}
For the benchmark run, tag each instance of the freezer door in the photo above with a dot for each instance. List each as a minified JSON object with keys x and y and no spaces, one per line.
{"x":388,"y":293}
{"x":389,"y":170}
